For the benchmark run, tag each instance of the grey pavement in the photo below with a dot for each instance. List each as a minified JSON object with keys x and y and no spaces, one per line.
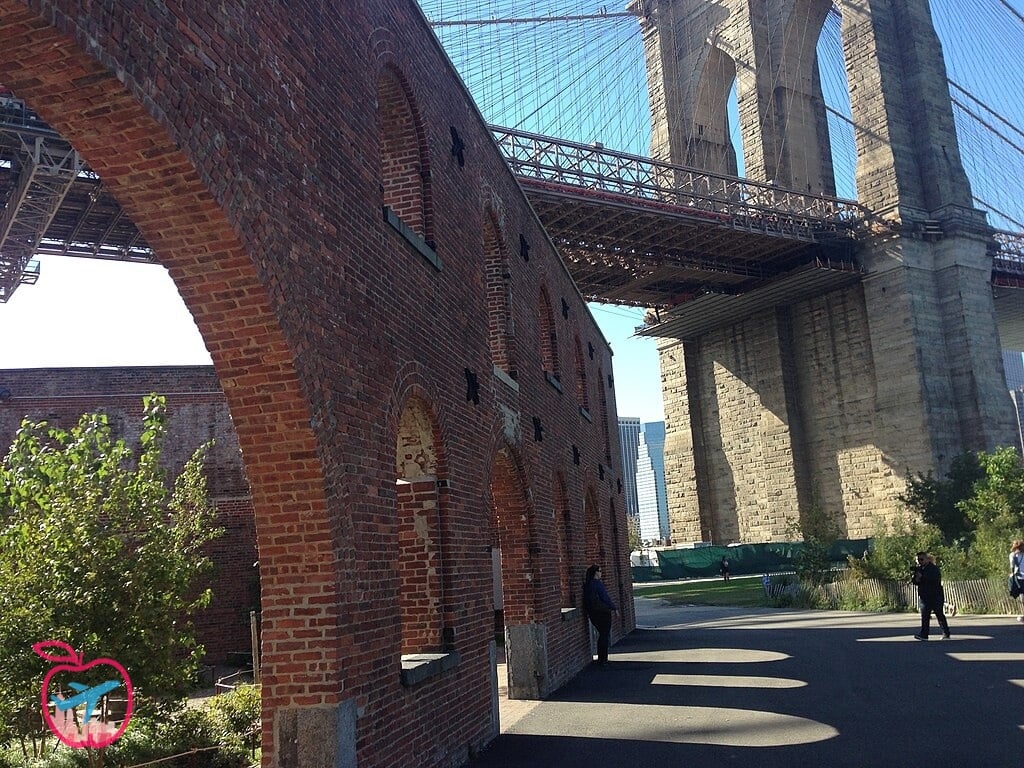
{"x":697,"y":686}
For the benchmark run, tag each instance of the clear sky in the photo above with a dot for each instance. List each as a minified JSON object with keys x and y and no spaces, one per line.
{"x":89,"y":312}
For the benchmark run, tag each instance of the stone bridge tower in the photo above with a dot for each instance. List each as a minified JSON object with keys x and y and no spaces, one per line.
{"x":829,"y":402}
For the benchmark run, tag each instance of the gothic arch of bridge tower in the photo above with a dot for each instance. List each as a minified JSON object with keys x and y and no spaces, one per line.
{"x":827,"y":400}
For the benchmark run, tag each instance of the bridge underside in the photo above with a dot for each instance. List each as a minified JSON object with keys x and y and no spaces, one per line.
{"x":625,"y":250}
{"x":712,"y":311}
{"x":52,"y":204}
{"x":1008,"y":296}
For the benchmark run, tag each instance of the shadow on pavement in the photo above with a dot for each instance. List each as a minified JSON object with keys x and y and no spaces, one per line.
{"x":784,"y":689}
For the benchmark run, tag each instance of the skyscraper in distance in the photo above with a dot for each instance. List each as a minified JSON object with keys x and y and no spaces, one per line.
{"x":629,"y":440}
{"x":652,"y":500}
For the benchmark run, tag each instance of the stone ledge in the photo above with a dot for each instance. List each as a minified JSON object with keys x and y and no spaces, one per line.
{"x":412,"y":238}
{"x":586,"y":414}
{"x":417,"y":667}
{"x":568,"y":614}
{"x":505,"y":379}
{"x":553,"y":380}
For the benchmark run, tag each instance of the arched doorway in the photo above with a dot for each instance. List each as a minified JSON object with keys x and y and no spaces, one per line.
{"x":515,"y":598}
{"x":245,"y":323}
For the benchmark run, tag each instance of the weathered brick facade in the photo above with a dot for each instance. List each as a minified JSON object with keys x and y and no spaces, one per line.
{"x":319,"y":185}
{"x":197,"y":413}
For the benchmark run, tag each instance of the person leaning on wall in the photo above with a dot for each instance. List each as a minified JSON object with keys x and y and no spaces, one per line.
{"x":599,"y":607}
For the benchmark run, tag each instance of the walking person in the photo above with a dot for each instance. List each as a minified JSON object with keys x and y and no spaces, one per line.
{"x":928,"y":578}
{"x":723,"y":568}
{"x":599,"y":607}
{"x":1017,"y":576}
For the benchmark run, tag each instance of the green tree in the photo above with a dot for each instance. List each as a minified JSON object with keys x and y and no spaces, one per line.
{"x":938,"y":501}
{"x":893,"y":547}
{"x":97,"y":551}
{"x":819,"y":532}
{"x":996,"y":509}
{"x":633,"y":534}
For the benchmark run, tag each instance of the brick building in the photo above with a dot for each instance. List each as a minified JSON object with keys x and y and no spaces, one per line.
{"x":408,"y":365}
{"x":197,"y":413}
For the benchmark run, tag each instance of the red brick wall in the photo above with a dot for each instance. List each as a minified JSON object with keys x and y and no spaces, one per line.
{"x":249,"y":145}
{"x":197,"y":412}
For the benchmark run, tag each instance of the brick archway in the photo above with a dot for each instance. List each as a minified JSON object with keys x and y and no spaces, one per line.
{"x":245,"y":142}
{"x":512,"y":516}
{"x":181,"y":212}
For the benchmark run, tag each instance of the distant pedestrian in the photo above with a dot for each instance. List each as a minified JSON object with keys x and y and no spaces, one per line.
{"x":723,"y":568}
{"x":928,"y":578}
{"x":599,"y":608}
{"x":1017,"y":576}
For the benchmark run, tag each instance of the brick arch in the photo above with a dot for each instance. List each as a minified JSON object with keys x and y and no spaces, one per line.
{"x":548,"y":333}
{"x":242,"y":319}
{"x":512,"y":525}
{"x":419,"y":457}
{"x":404,"y":156}
{"x":567,"y":566}
{"x":582,"y":389}
{"x":499,"y":294}
{"x":593,"y":535}
{"x":602,"y":400}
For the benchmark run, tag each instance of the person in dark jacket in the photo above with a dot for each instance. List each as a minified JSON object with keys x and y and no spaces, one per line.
{"x":928,"y":578}
{"x":599,"y":608}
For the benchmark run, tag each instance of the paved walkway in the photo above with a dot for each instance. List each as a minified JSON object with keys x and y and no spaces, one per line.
{"x":695,"y":686}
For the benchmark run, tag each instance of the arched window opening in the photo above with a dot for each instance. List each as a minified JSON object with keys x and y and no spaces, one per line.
{"x":593,"y":544}
{"x":582,"y":392}
{"x":548,"y":337}
{"x":512,"y":519}
{"x":835,"y":94}
{"x":419,"y":557}
{"x":716,"y":143}
{"x":499,"y":298}
{"x":405,"y":169}
{"x":563,"y":525}
{"x":603,"y":399}
{"x":795,"y":150}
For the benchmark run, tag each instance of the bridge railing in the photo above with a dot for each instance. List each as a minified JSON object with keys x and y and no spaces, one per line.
{"x":741,"y":201}
{"x":1009,"y":255}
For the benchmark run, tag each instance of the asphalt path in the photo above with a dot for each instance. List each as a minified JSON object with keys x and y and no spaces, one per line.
{"x":762,"y":688}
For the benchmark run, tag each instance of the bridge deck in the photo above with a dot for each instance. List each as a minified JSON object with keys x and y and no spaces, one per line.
{"x":632,"y":230}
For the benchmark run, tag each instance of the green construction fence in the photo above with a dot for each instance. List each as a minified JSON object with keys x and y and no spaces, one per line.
{"x":744,"y":559}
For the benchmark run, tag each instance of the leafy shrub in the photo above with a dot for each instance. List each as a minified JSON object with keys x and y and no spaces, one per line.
{"x":239,"y":710}
{"x":200,"y":737}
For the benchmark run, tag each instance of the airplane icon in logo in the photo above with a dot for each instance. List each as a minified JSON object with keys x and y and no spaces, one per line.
{"x":86,"y":695}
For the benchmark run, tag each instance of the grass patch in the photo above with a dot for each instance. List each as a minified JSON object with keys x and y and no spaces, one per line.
{"x":746,"y":593}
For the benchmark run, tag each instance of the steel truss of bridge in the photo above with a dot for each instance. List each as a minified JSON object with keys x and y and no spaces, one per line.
{"x":703,"y":249}
{"x":53,"y":204}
